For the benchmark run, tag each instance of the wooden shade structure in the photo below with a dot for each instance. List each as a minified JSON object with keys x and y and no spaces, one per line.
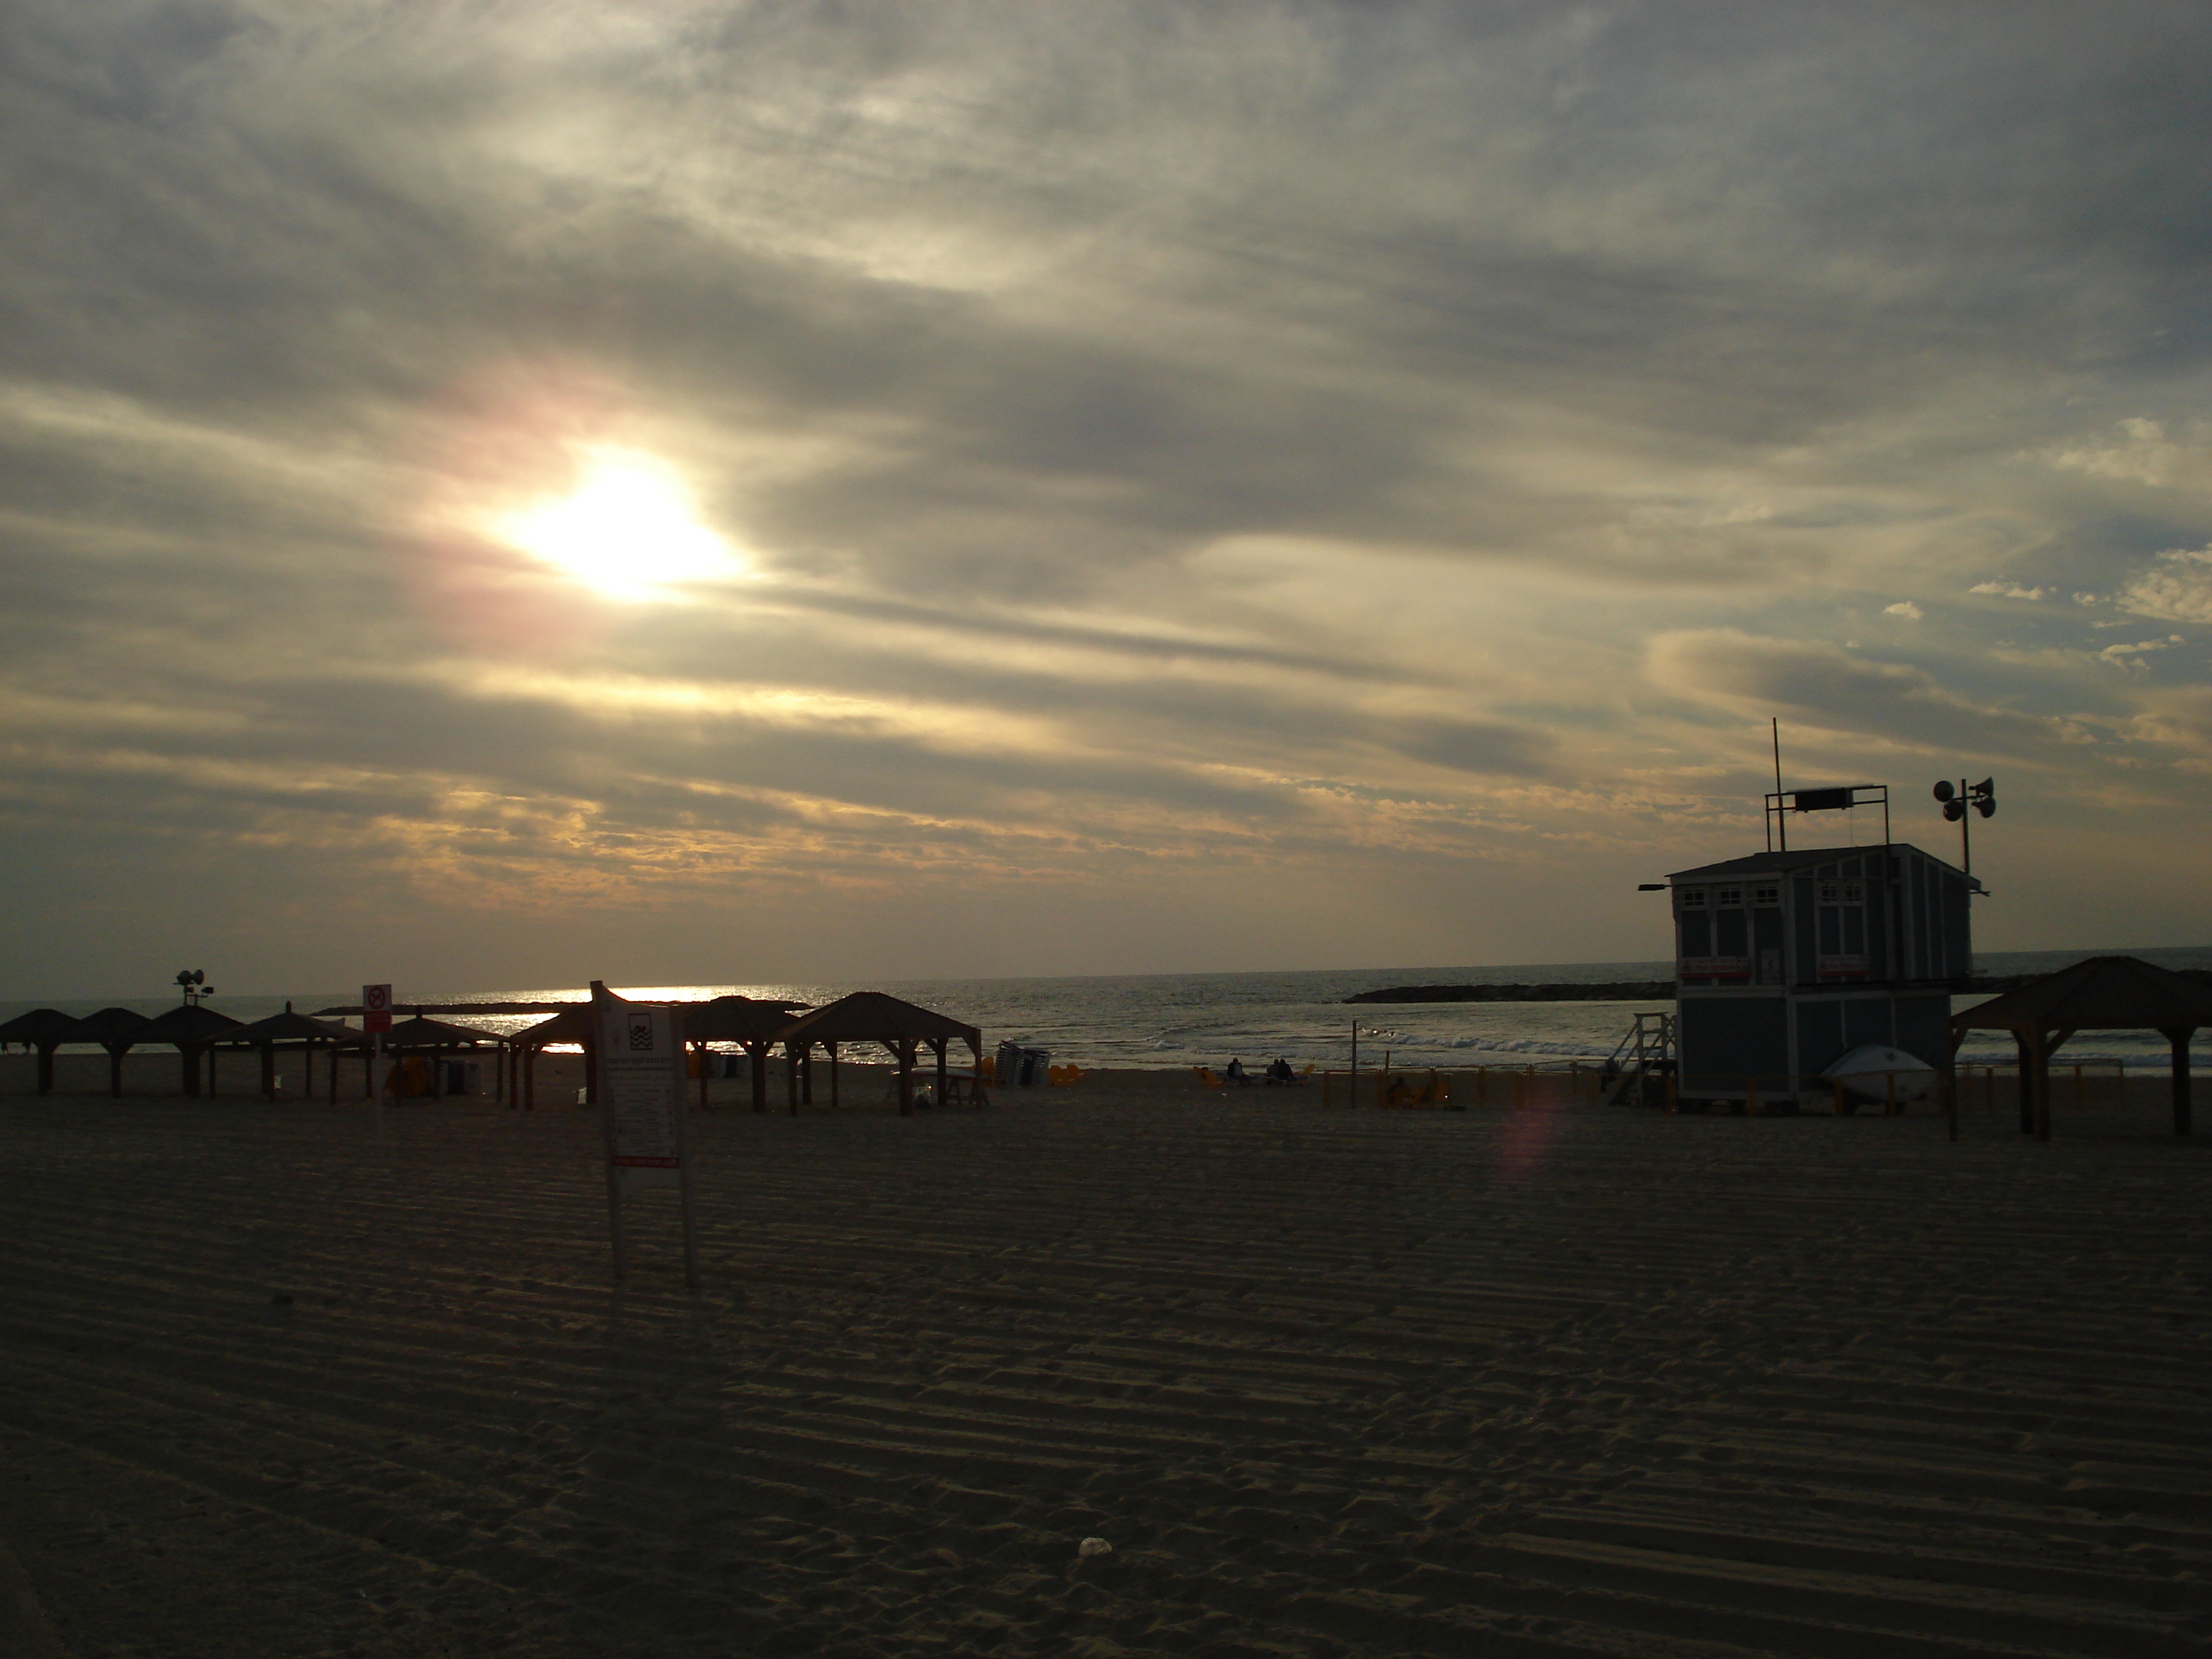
{"x":754,"y":1024}
{"x":44,"y":1029}
{"x":876,"y":1017}
{"x":424,"y":1035}
{"x":118,"y":1030}
{"x":572,"y":1024}
{"x":194,"y":1030}
{"x":2099,"y":993}
{"x":292,"y":1030}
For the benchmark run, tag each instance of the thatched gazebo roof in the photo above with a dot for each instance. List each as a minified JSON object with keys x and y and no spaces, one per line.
{"x":42,"y":1028}
{"x":187,"y":1025}
{"x":737,"y":1019}
{"x":878,"y":1017}
{"x":424,"y":1033}
{"x":2098,"y":994}
{"x":572,"y":1024}
{"x":113,"y":1028}
{"x":288,"y":1027}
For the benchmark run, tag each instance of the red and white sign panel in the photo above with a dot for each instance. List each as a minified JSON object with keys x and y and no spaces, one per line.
{"x":376,"y":1008}
{"x":641,"y":1080}
{"x":1717,"y":968}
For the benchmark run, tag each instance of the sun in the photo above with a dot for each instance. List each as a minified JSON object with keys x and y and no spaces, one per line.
{"x":629,"y":530}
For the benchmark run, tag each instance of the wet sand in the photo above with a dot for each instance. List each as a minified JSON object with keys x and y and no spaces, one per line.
{"x":1556,"y":1380}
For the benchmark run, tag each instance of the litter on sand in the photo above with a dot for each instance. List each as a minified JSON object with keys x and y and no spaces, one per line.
{"x":1091,"y":1546}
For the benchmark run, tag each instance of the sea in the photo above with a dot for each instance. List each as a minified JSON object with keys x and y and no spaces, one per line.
{"x":1209,"y":1020}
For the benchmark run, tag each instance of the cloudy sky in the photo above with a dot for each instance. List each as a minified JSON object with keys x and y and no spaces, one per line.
{"x":501,"y":494}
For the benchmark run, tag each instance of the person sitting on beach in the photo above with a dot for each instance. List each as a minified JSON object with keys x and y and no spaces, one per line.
{"x":1235,"y":1072}
{"x":1400,"y":1093}
{"x":1279,"y":1071}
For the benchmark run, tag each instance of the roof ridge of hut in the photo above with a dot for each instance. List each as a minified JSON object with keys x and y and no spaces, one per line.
{"x":866,"y":1016}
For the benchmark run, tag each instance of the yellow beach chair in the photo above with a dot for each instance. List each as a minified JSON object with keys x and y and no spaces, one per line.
{"x":1206,"y":1076}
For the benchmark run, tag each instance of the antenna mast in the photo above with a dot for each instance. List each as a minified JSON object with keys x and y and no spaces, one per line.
{"x":1775,"y":721}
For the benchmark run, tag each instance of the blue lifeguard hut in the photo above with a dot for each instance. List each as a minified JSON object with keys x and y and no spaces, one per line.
{"x":1786,"y":960}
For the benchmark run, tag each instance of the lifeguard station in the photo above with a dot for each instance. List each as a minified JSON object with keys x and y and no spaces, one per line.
{"x":1786,"y":960}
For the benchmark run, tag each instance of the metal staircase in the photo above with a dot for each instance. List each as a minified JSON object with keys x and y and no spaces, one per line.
{"x":1636,"y":1073}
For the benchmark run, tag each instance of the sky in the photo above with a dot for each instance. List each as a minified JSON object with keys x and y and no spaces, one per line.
{"x":500,"y":494}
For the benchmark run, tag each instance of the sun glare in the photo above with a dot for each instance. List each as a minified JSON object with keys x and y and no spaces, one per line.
{"x":627,"y":530}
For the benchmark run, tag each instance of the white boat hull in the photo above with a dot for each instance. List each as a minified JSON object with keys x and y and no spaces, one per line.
{"x":1865,"y":1073}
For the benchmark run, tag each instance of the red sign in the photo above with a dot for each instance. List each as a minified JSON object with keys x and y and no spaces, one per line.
{"x":376,"y":1008}
{"x":1717,"y":968}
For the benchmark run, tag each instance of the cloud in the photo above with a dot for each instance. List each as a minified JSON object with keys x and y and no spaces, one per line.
{"x":2179,"y":587}
{"x":1479,"y":746}
{"x":2142,"y":451}
{"x":1832,"y":687}
{"x":2131,"y":656}
{"x":1268,"y":435}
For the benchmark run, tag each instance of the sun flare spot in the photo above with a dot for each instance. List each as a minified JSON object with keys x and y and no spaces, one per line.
{"x":628,"y":530}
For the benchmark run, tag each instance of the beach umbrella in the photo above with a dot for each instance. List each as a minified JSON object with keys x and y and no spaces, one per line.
{"x":2098,"y":994}
{"x":44,"y":1030}
{"x":879,"y":1018}
{"x":192,"y":1028}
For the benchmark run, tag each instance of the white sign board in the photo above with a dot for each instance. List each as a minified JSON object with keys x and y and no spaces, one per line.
{"x":641,"y":1082}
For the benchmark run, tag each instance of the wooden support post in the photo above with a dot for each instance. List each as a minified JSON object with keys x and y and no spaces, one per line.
{"x":2177,"y":1039}
{"x":2027,"y":1083}
{"x":1751,"y":1106}
{"x":1889,"y":1079}
{"x":790,"y":1077}
{"x":757,"y":1052}
{"x":939,"y":1044}
{"x":832,"y":1048}
{"x":1948,"y":1082}
{"x":904,"y":1052}
{"x":2042,"y":1058}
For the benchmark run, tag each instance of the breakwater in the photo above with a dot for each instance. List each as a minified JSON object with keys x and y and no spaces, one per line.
{"x":1623,"y":990}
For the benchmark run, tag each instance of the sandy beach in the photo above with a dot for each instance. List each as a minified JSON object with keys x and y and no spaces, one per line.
{"x":1547,"y":1381}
